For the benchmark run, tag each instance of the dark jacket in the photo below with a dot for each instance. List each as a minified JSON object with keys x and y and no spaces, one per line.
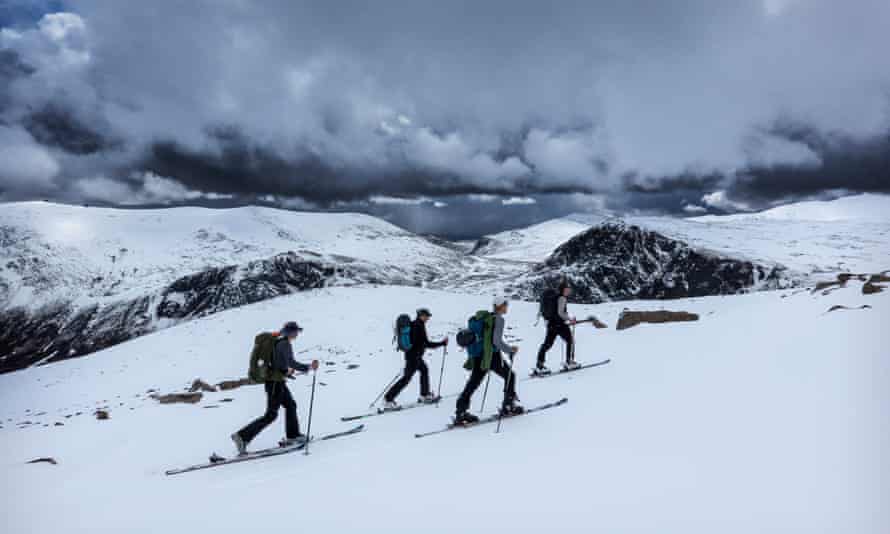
{"x":284,"y":360}
{"x":419,"y":340}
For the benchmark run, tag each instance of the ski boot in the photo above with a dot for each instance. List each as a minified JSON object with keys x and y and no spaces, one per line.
{"x":389,"y":406}
{"x":511,"y":407}
{"x":429,"y":398}
{"x":541,"y":370}
{"x":293,"y":442}
{"x":465,"y":419}
{"x":240,"y":444}
{"x":570,"y":366}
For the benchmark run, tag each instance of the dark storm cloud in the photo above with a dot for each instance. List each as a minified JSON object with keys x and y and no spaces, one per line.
{"x":641,"y":105}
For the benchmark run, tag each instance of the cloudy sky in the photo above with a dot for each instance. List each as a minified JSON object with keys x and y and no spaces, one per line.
{"x":455,"y":118}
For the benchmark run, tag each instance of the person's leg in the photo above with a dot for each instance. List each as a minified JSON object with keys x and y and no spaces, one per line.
{"x":476,"y":377}
{"x":565,"y":332}
{"x":410,"y":369}
{"x":548,"y":343}
{"x":504,"y":371}
{"x":424,"y":377}
{"x":291,"y":423}
{"x":255,"y":427}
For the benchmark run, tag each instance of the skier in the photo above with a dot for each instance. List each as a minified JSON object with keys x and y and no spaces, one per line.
{"x":414,"y":362}
{"x":497,"y":356}
{"x":558,"y":322}
{"x":278,"y":395}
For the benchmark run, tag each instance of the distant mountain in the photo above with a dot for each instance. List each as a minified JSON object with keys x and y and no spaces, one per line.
{"x":618,"y":261}
{"x":74,"y":280}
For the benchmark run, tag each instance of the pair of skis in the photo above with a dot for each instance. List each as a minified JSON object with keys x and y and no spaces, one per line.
{"x":216,"y":460}
{"x":381,"y":411}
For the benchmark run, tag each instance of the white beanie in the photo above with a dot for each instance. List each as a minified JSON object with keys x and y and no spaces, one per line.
{"x":500,"y":301}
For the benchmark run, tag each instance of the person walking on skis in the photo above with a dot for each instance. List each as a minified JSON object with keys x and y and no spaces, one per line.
{"x":497,"y":356}
{"x":278,"y":395}
{"x":414,"y":362}
{"x":558,"y":324}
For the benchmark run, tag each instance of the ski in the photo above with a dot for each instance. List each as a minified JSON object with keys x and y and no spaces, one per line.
{"x":216,"y":460}
{"x":493,"y":418}
{"x":381,"y":411}
{"x":566,"y":371}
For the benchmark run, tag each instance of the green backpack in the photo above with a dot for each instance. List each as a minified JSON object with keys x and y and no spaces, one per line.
{"x":260,"y":369}
{"x":482,"y":325}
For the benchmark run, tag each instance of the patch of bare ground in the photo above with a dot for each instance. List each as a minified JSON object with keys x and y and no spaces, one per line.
{"x":630,"y":319}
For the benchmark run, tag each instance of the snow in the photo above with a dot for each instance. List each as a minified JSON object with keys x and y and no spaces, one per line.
{"x":534,"y":243}
{"x":863,"y":207}
{"x":767,"y":415}
{"x":811,"y":239}
{"x":104,"y":254}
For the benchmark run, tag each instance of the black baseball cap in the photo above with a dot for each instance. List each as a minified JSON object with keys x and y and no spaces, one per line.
{"x":291,"y":328}
{"x":424,"y":311}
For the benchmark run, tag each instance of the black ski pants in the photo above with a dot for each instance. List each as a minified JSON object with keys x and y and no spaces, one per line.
{"x":277,"y":396}
{"x":561,"y":329}
{"x":413,"y":363}
{"x":477,"y":375}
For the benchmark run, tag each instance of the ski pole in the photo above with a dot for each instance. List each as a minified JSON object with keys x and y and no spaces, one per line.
{"x":441,"y":373}
{"x":311,"y":404}
{"x":506,"y":388}
{"x":391,"y":382}
{"x":485,"y":394}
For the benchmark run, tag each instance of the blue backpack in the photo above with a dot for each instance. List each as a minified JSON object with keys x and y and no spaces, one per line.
{"x":402,"y":333}
{"x":477,"y":325}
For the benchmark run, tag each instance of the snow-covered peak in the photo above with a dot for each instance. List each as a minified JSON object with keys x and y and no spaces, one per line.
{"x":864,"y":207}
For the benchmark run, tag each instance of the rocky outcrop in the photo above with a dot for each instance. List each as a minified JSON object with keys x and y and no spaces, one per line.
{"x":62,"y":331}
{"x":179,"y":398}
{"x":618,"y":261}
{"x":630,"y":319}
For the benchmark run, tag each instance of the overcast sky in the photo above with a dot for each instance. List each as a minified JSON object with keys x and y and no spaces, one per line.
{"x":455,"y":118}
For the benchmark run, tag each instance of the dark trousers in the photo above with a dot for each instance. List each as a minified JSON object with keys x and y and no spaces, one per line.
{"x":277,"y":396}
{"x":557,"y":328}
{"x":477,"y":375}
{"x":412,"y":365}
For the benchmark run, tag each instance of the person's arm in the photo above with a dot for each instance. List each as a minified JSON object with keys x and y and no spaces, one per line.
{"x":498,"y":337}
{"x":561,"y":306}
{"x":284,"y":356}
{"x":430,"y":344}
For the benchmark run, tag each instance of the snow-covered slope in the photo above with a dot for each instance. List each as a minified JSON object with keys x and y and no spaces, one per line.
{"x":74,"y":280}
{"x":53,"y":251}
{"x":534,"y":243}
{"x":811,"y":239}
{"x":864,"y":207}
{"x":768,"y":415}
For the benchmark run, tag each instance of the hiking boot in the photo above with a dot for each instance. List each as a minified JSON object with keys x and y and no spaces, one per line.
{"x":240,"y":444}
{"x":570,"y":366}
{"x":541,"y":370}
{"x":465,"y":418}
{"x":293,"y":442}
{"x":511,"y":408}
{"x":390,"y":405}
{"x":429,"y":398}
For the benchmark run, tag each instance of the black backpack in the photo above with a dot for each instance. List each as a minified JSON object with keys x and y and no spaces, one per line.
{"x":548,"y":304}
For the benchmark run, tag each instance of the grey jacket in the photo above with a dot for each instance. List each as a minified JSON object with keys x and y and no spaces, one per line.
{"x":497,"y":337}
{"x":561,"y":304}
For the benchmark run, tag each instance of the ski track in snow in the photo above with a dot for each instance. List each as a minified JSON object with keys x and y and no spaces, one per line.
{"x":766,"y":415}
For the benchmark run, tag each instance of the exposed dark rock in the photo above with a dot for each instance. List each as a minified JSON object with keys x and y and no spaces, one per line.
{"x":842,"y":307}
{"x":200,"y":385}
{"x":102,"y":415}
{"x":630,"y":319}
{"x":61,"y":331}
{"x":46,"y":460}
{"x":869,"y":288}
{"x":179,"y":398}
{"x":617,"y":261}
{"x":227,"y":385}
